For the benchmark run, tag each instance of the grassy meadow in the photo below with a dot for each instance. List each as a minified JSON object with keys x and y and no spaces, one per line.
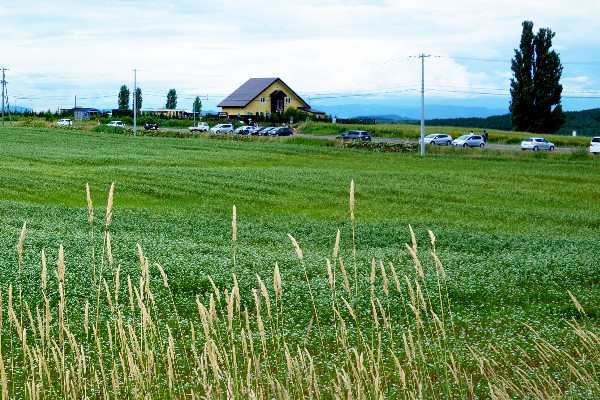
{"x":217,"y":302}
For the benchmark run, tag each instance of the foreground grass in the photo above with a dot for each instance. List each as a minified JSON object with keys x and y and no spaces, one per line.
{"x":515,"y":235}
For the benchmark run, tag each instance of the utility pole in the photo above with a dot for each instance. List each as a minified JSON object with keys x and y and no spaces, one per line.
{"x":194,"y":111}
{"x":422,"y":56}
{"x":134,"y":102}
{"x":3,"y":84}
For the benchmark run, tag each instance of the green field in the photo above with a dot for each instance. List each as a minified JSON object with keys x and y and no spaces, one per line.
{"x":514,"y":234}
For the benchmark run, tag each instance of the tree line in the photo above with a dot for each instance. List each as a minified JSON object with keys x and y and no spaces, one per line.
{"x":171,"y":104}
{"x":585,"y":123}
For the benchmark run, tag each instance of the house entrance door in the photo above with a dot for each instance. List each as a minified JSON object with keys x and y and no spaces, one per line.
{"x":277,"y":102}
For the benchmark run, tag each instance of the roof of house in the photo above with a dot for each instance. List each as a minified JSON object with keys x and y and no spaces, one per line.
{"x":243,"y":95}
{"x":311,"y":110}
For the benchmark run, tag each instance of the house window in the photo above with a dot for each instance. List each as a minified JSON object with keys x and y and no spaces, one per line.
{"x":288,"y":100}
{"x":249,"y":113}
{"x":263,"y":99}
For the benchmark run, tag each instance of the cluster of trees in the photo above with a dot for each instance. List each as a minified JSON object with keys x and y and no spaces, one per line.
{"x":124,"y":96}
{"x":535,"y":87}
{"x":123,"y":100}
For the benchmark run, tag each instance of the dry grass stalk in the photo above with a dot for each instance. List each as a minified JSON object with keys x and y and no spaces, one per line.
{"x":44,"y":272}
{"x":346,"y":282}
{"x":277,"y":286}
{"x":296,"y":247}
{"x":234,"y":225}
{"x":353,"y":238}
{"x":413,"y":239}
{"x":109,"y":205}
{"x":577,"y":305}
{"x":336,"y":246}
{"x":60,"y":271}
{"x":416,"y":261}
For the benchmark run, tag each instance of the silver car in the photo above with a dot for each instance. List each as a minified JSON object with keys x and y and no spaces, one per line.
{"x":469,"y":141}
{"x":438,"y":138}
{"x":118,"y":124}
{"x":222,"y":128}
{"x":64,"y":122}
{"x":536,"y":143}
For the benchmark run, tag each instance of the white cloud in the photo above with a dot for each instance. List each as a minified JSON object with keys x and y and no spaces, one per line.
{"x":316,"y":46}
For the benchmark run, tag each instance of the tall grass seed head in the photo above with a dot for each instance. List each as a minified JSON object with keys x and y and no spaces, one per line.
{"x":109,"y":204}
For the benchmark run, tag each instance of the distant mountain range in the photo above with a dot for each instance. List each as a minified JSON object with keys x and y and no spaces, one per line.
{"x":585,"y":123}
{"x":392,"y":112}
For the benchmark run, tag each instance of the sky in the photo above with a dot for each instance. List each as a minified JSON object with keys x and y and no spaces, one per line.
{"x":327,"y":51}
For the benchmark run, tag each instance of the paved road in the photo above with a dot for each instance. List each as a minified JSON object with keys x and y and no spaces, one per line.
{"x":332,"y":137}
{"x":489,"y":146}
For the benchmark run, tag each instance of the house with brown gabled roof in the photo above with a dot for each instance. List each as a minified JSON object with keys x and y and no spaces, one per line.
{"x":264,"y":96}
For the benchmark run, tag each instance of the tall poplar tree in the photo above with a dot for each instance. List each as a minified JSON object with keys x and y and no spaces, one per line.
{"x":123,"y":98}
{"x":138,"y":98}
{"x":535,"y":88}
{"x":197,"y":105}
{"x":171,"y":100}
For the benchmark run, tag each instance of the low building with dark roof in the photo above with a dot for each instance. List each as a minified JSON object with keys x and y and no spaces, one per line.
{"x":264,"y":96}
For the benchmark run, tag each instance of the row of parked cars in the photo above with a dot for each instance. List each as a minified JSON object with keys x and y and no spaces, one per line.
{"x":68,"y":122}
{"x":244,"y":130}
{"x":473,"y":140}
{"x":441,"y":139}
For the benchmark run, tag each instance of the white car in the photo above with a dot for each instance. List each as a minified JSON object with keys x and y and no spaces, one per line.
{"x":64,"y":122}
{"x":595,"y":145}
{"x":222,"y":128}
{"x":536,"y":143}
{"x":201,"y":127}
{"x":469,"y":141}
{"x":116,"y":123}
{"x":243,"y":130}
{"x":439,"y":139}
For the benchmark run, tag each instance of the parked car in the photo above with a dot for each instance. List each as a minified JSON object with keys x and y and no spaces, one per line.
{"x":595,"y":145}
{"x":150,"y":127}
{"x":116,"y":123}
{"x":439,"y":139}
{"x":243,"y":130}
{"x":536,"y":143}
{"x":469,"y":141}
{"x":201,"y":127}
{"x":222,"y":128}
{"x":64,"y":122}
{"x":281,"y":131}
{"x":267,"y":131}
{"x":254,"y":130}
{"x":354,"y":135}
{"x":262,"y":131}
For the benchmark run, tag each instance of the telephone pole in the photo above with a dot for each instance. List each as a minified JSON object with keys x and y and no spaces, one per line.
{"x":422,"y":56}
{"x":134,"y":102}
{"x":3,"y":85}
